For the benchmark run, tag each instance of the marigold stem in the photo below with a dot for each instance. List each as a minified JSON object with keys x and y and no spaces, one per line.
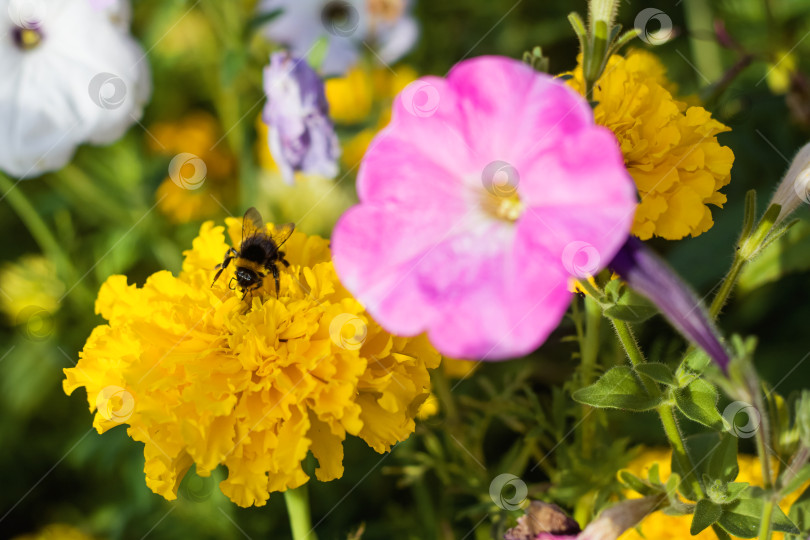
{"x":298,"y":509}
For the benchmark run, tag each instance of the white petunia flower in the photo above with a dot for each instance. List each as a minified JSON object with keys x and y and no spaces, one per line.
{"x":72,"y":74}
{"x":348,"y":26}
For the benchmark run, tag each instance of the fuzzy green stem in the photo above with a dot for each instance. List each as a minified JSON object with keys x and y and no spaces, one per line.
{"x":628,"y":342}
{"x":298,"y":509}
{"x":590,"y":353}
{"x":767,"y":517}
{"x":42,"y":235}
{"x":729,"y":282}
{"x":673,"y":433}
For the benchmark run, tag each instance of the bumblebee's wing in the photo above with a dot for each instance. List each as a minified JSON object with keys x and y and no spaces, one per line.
{"x":252,"y":224}
{"x":283,"y":232}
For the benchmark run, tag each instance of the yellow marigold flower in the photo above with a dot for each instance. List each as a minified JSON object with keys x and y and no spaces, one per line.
{"x":670,"y":149}
{"x":29,"y":285}
{"x":458,"y":369}
{"x":56,"y":531}
{"x":190,"y":192}
{"x":429,"y":408}
{"x":350,"y":97}
{"x":663,"y":527}
{"x":355,"y":148}
{"x":205,"y":378}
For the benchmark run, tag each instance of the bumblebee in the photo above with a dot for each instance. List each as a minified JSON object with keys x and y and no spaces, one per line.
{"x":259,"y":254}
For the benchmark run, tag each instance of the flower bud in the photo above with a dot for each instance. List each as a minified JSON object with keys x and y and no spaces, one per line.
{"x":795,"y":186}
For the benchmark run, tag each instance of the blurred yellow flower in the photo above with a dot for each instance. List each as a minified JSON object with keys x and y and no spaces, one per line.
{"x":350,"y":97}
{"x":27,"y":285}
{"x":194,"y":189}
{"x":780,"y":72}
{"x":429,"y":408}
{"x":663,"y":527}
{"x":459,"y":369}
{"x":203,"y":378}
{"x":670,"y":149}
{"x":56,"y":531}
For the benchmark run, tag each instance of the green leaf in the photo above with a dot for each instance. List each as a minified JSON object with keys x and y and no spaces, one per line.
{"x":797,"y":481}
{"x":789,"y":254}
{"x":631,"y":314}
{"x":743,"y":517}
{"x":637,"y":484}
{"x":630,"y":306}
{"x":706,"y":513}
{"x":693,"y":365}
{"x":723,"y":461}
{"x":660,"y":373}
{"x":653,"y":475}
{"x":619,"y":388}
{"x":698,"y":402}
{"x":263,"y":18}
{"x":800,"y":513}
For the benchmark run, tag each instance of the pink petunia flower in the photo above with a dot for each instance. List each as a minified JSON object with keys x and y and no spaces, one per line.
{"x":488,"y":191}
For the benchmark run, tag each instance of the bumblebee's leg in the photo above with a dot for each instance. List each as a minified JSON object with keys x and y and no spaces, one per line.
{"x":283,"y":260}
{"x":222,"y":266}
{"x":276,"y":278}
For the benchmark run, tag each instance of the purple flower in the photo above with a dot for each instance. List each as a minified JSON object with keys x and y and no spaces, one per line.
{"x":647,"y":274}
{"x":301,"y":136}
